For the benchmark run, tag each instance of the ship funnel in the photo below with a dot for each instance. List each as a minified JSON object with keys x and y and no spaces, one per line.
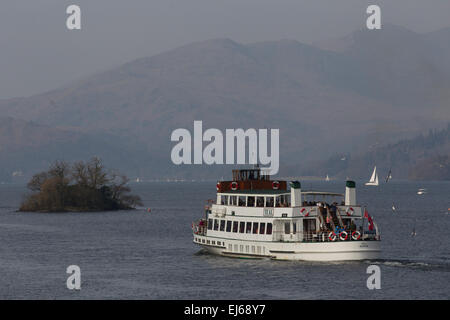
{"x":350,"y":193}
{"x":296,"y":194}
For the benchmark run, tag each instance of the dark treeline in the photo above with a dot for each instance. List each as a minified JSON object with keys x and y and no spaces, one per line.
{"x":82,"y":186}
{"x":424,"y":157}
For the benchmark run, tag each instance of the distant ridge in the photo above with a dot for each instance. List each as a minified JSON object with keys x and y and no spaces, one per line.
{"x":424,"y":157}
{"x":382,"y":87}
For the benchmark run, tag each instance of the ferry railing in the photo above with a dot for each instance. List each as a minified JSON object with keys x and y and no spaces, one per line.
{"x":200,"y":229}
{"x":281,"y":236}
{"x":323,"y":236}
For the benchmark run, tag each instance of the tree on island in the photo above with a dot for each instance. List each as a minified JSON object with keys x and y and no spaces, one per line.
{"x":83,"y":186}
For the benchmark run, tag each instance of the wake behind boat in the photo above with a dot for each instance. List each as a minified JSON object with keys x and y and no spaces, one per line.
{"x":255,"y":217}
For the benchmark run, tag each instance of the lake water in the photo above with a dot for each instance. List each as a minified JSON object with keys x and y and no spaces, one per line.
{"x":141,"y":255}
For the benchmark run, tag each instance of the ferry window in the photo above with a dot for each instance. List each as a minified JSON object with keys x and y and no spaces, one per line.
{"x":241,"y":227}
{"x":269,"y":201}
{"x":222,"y":225}
{"x":224,"y":200}
{"x":260,"y":201}
{"x":285,"y":200}
{"x":277,"y":201}
{"x":250,"y":201}
{"x":233,"y":200}
{"x":262,"y":227}
{"x":288,"y":200}
{"x":255,"y":227}
{"x":216,"y":224}
{"x":269,"y":228}
{"x":210,"y":224}
{"x":287,"y":227}
{"x":249,"y":227}
{"x":294,"y":227}
{"x":228,"y":226}
{"x":235,"y":226}
{"x":242,"y":201}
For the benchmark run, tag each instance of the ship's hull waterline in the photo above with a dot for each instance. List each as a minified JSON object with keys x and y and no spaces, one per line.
{"x":302,"y":251}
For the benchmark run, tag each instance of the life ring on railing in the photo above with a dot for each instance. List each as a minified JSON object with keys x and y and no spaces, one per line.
{"x":332,"y":236}
{"x":234,"y":185}
{"x":356,"y":235}
{"x":275,"y":185}
{"x":349,"y":211}
{"x":341,"y":237}
{"x":194,"y":228}
{"x":303,"y":212}
{"x":218,"y":186}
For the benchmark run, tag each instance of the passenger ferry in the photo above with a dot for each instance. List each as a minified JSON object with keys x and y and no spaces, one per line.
{"x":256,"y":217}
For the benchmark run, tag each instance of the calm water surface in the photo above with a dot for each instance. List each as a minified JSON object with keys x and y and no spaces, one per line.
{"x":141,"y":255}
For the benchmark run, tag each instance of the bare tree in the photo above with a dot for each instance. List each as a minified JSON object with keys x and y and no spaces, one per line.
{"x":80,"y":173}
{"x":35,"y":184}
{"x":96,"y":173}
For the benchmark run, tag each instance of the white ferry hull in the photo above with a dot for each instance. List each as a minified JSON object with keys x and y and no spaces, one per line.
{"x":304,"y":251}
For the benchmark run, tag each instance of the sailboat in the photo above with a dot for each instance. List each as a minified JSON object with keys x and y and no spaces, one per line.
{"x":422,"y":191}
{"x":374,"y":179}
{"x":327,"y":178}
{"x":389,"y":176}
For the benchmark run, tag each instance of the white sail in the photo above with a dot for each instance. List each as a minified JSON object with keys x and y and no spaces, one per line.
{"x":374,"y":178}
{"x":327,"y":178}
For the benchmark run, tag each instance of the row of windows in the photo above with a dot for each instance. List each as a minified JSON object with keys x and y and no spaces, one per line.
{"x":240,"y":226}
{"x":283,"y":200}
{"x":237,"y":248}
{"x":199,"y":240}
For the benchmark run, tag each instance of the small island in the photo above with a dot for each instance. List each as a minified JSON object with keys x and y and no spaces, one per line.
{"x":77,"y":187}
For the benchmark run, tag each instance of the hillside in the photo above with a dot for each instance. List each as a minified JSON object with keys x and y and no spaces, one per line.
{"x":323,"y":101}
{"x":425,"y":157}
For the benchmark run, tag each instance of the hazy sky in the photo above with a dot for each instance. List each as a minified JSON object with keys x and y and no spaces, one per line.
{"x":38,"y":53}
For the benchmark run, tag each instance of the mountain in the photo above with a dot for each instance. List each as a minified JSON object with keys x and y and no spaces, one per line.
{"x":381,"y":87}
{"x":424,"y":157}
{"x":28,"y":147}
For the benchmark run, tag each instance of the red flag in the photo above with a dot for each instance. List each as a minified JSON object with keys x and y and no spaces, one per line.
{"x":366,"y":214}
{"x":369,"y":219}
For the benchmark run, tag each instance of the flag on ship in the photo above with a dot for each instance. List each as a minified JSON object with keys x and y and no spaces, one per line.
{"x":369,"y":219}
